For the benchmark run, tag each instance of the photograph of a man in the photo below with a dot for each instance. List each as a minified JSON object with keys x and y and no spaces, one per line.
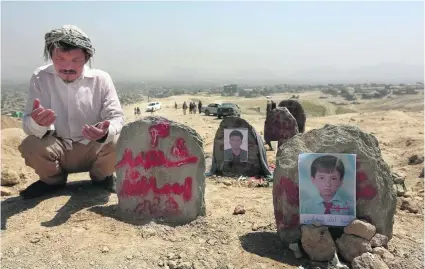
{"x":236,"y":145}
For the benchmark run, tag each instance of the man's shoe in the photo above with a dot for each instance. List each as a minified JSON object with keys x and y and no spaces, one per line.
{"x":108,"y":183}
{"x":39,"y":188}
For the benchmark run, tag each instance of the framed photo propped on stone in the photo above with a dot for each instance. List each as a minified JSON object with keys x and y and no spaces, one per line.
{"x":327,"y":188}
{"x":236,"y":145}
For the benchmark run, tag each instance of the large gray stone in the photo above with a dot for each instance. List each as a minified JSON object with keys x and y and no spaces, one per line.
{"x":376,"y":200}
{"x":160,"y":171}
{"x":257,"y":158}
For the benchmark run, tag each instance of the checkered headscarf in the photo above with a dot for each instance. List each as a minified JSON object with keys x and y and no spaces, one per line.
{"x":68,"y":34}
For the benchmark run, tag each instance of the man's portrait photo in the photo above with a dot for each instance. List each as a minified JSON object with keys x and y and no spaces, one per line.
{"x":236,"y":145}
{"x":327,"y":187}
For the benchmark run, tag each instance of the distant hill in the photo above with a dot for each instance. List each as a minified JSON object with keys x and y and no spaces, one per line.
{"x":381,"y":73}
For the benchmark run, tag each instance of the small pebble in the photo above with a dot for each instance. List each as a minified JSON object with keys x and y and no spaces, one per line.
{"x":105,"y":249}
{"x":239,"y":210}
{"x":35,"y":240}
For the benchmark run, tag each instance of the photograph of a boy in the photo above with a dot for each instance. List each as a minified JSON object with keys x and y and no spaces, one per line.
{"x":327,"y":175}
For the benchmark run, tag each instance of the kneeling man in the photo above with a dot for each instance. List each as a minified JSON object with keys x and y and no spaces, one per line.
{"x":72,"y":116}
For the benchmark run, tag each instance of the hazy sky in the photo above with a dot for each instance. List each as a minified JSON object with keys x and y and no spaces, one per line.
{"x":190,"y":40}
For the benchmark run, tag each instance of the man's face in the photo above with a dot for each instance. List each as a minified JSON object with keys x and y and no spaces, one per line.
{"x":69,"y":65}
{"x":235,"y":142}
{"x":327,"y":182}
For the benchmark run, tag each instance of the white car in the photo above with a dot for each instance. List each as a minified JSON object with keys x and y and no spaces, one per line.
{"x":154,"y":106}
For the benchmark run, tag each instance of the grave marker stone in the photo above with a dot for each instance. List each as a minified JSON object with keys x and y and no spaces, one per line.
{"x":280,"y":125}
{"x":256,"y":164}
{"x":297,"y":111}
{"x":160,"y":171}
{"x":375,"y":197}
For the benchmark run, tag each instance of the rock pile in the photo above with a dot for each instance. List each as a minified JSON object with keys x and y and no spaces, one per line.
{"x":359,"y":245}
{"x":399,"y":186}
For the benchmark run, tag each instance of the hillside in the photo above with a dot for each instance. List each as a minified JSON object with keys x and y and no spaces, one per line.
{"x":80,"y":227}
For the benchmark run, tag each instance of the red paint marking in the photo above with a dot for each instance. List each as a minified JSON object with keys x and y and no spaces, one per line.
{"x":179,"y":148}
{"x":152,"y":158}
{"x":154,"y":208}
{"x":364,"y":190}
{"x":172,"y":206}
{"x":357,"y":162}
{"x":288,"y":187}
{"x":278,"y":215}
{"x":161,"y":129}
{"x":294,"y":221}
{"x":339,"y":208}
{"x":147,"y":206}
{"x":144,"y":185}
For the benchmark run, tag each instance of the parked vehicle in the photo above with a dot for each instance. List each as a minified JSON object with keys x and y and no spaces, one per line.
{"x":154,"y":106}
{"x":228,"y":109}
{"x":211,"y":109}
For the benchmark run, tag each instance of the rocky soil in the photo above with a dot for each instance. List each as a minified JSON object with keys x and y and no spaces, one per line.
{"x":79,"y":227}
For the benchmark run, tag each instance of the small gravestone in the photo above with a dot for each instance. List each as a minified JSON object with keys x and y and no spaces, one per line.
{"x":160,"y":171}
{"x":375,"y":198}
{"x":280,"y":125}
{"x":296,"y":109}
{"x":238,"y":150}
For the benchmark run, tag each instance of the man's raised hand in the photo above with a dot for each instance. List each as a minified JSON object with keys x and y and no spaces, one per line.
{"x":96,"y":132}
{"x":42,"y":116}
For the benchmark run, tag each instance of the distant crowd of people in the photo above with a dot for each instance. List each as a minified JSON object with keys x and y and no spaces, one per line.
{"x":192,"y":107}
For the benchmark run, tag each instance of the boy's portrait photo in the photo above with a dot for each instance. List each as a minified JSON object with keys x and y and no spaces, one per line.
{"x":327,"y":188}
{"x":236,"y":145}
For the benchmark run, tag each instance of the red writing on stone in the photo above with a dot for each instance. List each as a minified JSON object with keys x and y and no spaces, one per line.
{"x":154,"y":207}
{"x":289,"y":222}
{"x":152,"y":158}
{"x":364,"y":190}
{"x":161,"y":129}
{"x":338,"y":208}
{"x":288,"y":188}
{"x":131,"y":187}
{"x":179,"y":148}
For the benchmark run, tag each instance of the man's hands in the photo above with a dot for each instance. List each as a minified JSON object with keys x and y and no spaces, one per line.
{"x":45,"y":117}
{"x":97,"y":131}
{"x":42,"y":116}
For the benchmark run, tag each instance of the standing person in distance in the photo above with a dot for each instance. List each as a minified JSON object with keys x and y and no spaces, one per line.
{"x":199,"y":106}
{"x":184,"y":107}
{"x":72,"y":116}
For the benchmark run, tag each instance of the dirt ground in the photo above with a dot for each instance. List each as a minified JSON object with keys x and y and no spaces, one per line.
{"x":8,"y":122}
{"x":79,"y":227}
